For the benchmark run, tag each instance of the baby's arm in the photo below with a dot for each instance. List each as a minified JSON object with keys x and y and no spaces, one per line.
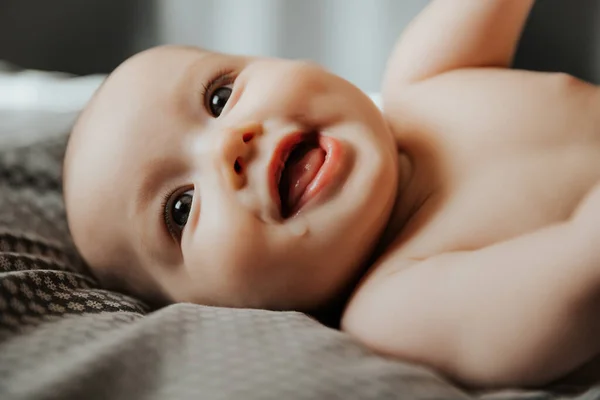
{"x":453,"y":34}
{"x":521,"y":312}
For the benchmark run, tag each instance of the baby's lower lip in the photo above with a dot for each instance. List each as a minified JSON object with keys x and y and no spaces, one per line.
{"x":327,"y":174}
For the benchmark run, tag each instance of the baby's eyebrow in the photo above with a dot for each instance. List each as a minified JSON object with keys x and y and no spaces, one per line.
{"x":156,"y":174}
{"x":189,"y":80}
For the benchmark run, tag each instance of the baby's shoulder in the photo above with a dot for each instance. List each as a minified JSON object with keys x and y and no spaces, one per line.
{"x":467,"y":113}
{"x":471,"y":97}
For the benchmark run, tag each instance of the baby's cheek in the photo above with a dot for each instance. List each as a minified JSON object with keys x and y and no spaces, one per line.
{"x":226,"y":252}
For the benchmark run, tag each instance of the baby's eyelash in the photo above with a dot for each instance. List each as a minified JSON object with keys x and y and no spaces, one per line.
{"x":164,"y":211}
{"x":222,"y":77}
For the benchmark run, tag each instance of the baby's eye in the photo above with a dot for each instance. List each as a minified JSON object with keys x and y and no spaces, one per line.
{"x":178,"y":211}
{"x":218,"y":99}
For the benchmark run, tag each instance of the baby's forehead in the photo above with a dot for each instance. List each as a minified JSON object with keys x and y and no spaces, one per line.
{"x":105,"y":150}
{"x":162,"y":77}
{"x":140,"y":81}
{"x":138,"y":101}
{"x":151,"y":69}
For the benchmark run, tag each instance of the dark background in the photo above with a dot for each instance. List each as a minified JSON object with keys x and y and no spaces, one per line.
{"x":94,"y":36}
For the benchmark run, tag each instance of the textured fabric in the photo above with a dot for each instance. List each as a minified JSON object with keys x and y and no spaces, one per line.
{"x":63,"y":337}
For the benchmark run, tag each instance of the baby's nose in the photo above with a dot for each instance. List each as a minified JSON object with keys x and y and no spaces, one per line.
{"x":237,"y":146}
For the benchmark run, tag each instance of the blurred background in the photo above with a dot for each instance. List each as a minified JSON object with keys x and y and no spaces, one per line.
{"x":350,"y":37}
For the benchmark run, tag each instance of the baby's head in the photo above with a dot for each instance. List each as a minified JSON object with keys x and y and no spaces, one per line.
{"x":194,"y":176}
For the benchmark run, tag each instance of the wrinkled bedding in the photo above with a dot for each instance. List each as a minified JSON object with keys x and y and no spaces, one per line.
{"x":64,"y":337}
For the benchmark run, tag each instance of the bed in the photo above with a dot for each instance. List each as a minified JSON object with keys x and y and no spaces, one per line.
{"x":62,"y":336}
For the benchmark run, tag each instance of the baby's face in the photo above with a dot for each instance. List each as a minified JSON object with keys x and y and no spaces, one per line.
{"x":229,"y":180}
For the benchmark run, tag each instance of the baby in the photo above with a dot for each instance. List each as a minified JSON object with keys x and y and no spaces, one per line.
{"x":463,"y":218}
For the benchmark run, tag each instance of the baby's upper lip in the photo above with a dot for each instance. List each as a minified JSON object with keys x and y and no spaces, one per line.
{"x":277,"y":163}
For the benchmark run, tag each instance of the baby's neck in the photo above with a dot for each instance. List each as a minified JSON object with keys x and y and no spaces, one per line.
{"x":409,"y":196}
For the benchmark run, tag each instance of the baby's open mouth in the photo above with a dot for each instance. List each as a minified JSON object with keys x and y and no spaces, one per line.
{"x":296,"y":163}
{"x":303,"y":167}
{"x":298,"y":170}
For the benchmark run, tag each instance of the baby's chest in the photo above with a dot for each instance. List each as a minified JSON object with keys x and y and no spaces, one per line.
{"x":506,"y":152}
{"x":500,"y":196}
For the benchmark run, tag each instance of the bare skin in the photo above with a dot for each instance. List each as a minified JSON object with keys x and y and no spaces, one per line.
{"x":495,"y":278}
{"x":489,"y":209}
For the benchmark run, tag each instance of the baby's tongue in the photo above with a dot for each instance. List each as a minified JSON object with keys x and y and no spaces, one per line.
{"x":299,"y":171}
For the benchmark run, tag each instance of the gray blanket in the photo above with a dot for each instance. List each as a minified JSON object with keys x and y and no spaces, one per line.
{"x":64,"y":337}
